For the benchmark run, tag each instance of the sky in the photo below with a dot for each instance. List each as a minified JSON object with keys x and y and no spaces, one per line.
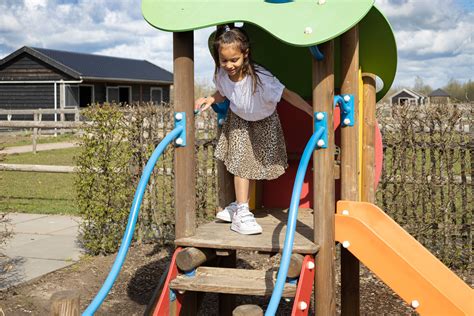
{"x":434,"y":37}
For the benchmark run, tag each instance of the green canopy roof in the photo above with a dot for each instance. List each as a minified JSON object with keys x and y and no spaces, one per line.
{"x":299,"y":23}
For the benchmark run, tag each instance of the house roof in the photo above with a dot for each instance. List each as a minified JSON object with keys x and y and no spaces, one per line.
{"x":97,"y":67}
{"x":415,"y":94}
{"x":439,"y":93}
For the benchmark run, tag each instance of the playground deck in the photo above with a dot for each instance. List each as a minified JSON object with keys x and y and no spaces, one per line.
{"x":218,"y":235}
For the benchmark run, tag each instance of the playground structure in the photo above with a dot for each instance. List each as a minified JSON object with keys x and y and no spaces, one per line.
{"x":352,"y":50}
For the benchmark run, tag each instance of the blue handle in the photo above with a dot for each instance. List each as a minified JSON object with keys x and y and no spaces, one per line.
{"x":291,"y":225}
{"x":132,"y":220}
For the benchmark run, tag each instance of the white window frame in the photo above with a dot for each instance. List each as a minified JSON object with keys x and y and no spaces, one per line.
{"x":151,"y":92}
{"x":130,"y":101}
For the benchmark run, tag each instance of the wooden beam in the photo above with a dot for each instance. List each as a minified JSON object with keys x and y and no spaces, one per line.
{"x":323,"y":179}
{"x":191,"y":258}
{"x":36,"y":168}
{"x":42,"y":124}
{"x":185,"y":182}
{"x":368,"y":139}
{"x":296,"y":262}
{"x":350,"y":301}
{"x":65,"y":303}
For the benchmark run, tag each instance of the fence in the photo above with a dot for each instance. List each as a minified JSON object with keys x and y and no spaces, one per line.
{"x":426,"y":183}
{"x":37,"y":124}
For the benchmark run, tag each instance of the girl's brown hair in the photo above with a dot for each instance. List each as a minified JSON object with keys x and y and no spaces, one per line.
{"x":226,"y":35}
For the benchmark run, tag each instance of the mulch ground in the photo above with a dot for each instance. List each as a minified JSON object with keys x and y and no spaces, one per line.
{"x":141,"y":273}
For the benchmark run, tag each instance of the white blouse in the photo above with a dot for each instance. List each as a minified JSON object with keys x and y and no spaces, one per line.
{"x":243,"y":102}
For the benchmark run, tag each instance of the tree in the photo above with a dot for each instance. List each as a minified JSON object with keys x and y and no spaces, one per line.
{"x":421,"y":87}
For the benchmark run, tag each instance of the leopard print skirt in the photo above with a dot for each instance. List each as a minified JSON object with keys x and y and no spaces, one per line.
{"x":253,"y":149}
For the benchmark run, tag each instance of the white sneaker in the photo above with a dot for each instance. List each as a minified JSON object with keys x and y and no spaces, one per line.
{"x":244,"y":222}
{"x":227,"y":213}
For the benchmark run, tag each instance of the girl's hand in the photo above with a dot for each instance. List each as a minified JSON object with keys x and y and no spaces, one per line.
{"x":202,"y":104}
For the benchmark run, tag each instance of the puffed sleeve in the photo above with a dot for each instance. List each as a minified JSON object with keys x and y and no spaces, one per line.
{"x":217,"y":79}
{"x":272,"y":88}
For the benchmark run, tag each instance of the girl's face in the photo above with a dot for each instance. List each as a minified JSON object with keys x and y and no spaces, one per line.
{"x":231,"y":59}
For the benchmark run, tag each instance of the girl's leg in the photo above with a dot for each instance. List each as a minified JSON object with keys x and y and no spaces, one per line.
{"x":242,"y":187}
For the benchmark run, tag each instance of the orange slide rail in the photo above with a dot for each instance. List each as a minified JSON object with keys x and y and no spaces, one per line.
{"x":401,"y":261}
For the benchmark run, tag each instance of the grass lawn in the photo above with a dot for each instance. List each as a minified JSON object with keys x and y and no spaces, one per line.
{"x":38,"y":192}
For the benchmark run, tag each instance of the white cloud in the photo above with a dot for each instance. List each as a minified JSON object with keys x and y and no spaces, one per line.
{"x":434,"y":37}
{"x":434,"y":40}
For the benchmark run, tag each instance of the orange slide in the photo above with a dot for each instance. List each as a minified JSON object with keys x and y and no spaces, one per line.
{"x":401,"y":261}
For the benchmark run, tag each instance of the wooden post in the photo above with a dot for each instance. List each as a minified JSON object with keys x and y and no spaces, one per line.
{"x":35,"y":131}
{"x":185,"y":182}
{"x":65,"y":303}
{"x":184,"y":163}
{"x":40,"y":118}
{"x":350,"y":301}
{"x":296,"y":263}
{"x":191,"y":258}
{"x":368,"y":139}
{"x":323,"y":179}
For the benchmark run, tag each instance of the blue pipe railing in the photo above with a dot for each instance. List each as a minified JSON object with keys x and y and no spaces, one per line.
{"x":132,"y":220}
{"x":291,"y":225}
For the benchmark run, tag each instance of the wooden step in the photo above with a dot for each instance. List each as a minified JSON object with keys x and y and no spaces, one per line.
{"x":217,"y":235}
{"x":231,"y":281}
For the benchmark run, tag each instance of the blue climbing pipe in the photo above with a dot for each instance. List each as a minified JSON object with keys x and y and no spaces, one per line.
{"x":132,"y":220}
{"x":291,"y":225}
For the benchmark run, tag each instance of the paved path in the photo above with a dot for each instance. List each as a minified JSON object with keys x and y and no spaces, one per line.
{"x":39,"y":147}
{"x":40,"y":244}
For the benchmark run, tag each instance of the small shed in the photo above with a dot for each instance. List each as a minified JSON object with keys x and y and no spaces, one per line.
{"x":32,"y":78}
{"x":439,"y":96}
{"x":407,"y":97}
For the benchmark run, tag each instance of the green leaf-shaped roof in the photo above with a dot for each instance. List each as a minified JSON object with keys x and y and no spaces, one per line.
{"x":299,"y":23}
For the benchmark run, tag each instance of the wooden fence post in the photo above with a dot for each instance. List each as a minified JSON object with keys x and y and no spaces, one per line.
{"x":35,"y":131}
{"x":65,"y":303}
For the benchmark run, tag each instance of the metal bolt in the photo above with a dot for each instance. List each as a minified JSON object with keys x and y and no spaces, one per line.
{"x":415,"y":304}
{"x":320,"y":116}
{"x":179,"y":141}
{"x":310,"y":265}
{"x":181,"y":292}
{"x":287,"y":299}
{"x":347,"y":121}
{"x":347,"y":98}
{"x":345,"y":212}
{"x":346,"y":244}
{"x":321,"y":143}
{"x":308,"y":30}
{"x":178,"y":116}
{"x":321,"y":1}
{"x":302,"y":305}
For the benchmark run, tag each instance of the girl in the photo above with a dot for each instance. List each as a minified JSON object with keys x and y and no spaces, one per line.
{"x":251,"y":144}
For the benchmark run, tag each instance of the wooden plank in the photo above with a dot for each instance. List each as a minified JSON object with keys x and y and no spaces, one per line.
{"x":185,"y":182}
{"x":217,"y":235}
{"x":37,"y":168}
{"x":368,"y":139}
{"x":323,"y":179}
{"x":350,"y":301}
{"x":231,"y":281}
{"x":42,"y":124}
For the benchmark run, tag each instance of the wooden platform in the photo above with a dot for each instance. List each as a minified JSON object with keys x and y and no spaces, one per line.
{"x":218,"y":235}
{"x":231,"y":281}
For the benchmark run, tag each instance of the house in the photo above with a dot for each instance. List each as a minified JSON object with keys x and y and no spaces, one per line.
{"x":32,"y":78}
{"x":439,"y":96}
{"x":407,"y":97}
